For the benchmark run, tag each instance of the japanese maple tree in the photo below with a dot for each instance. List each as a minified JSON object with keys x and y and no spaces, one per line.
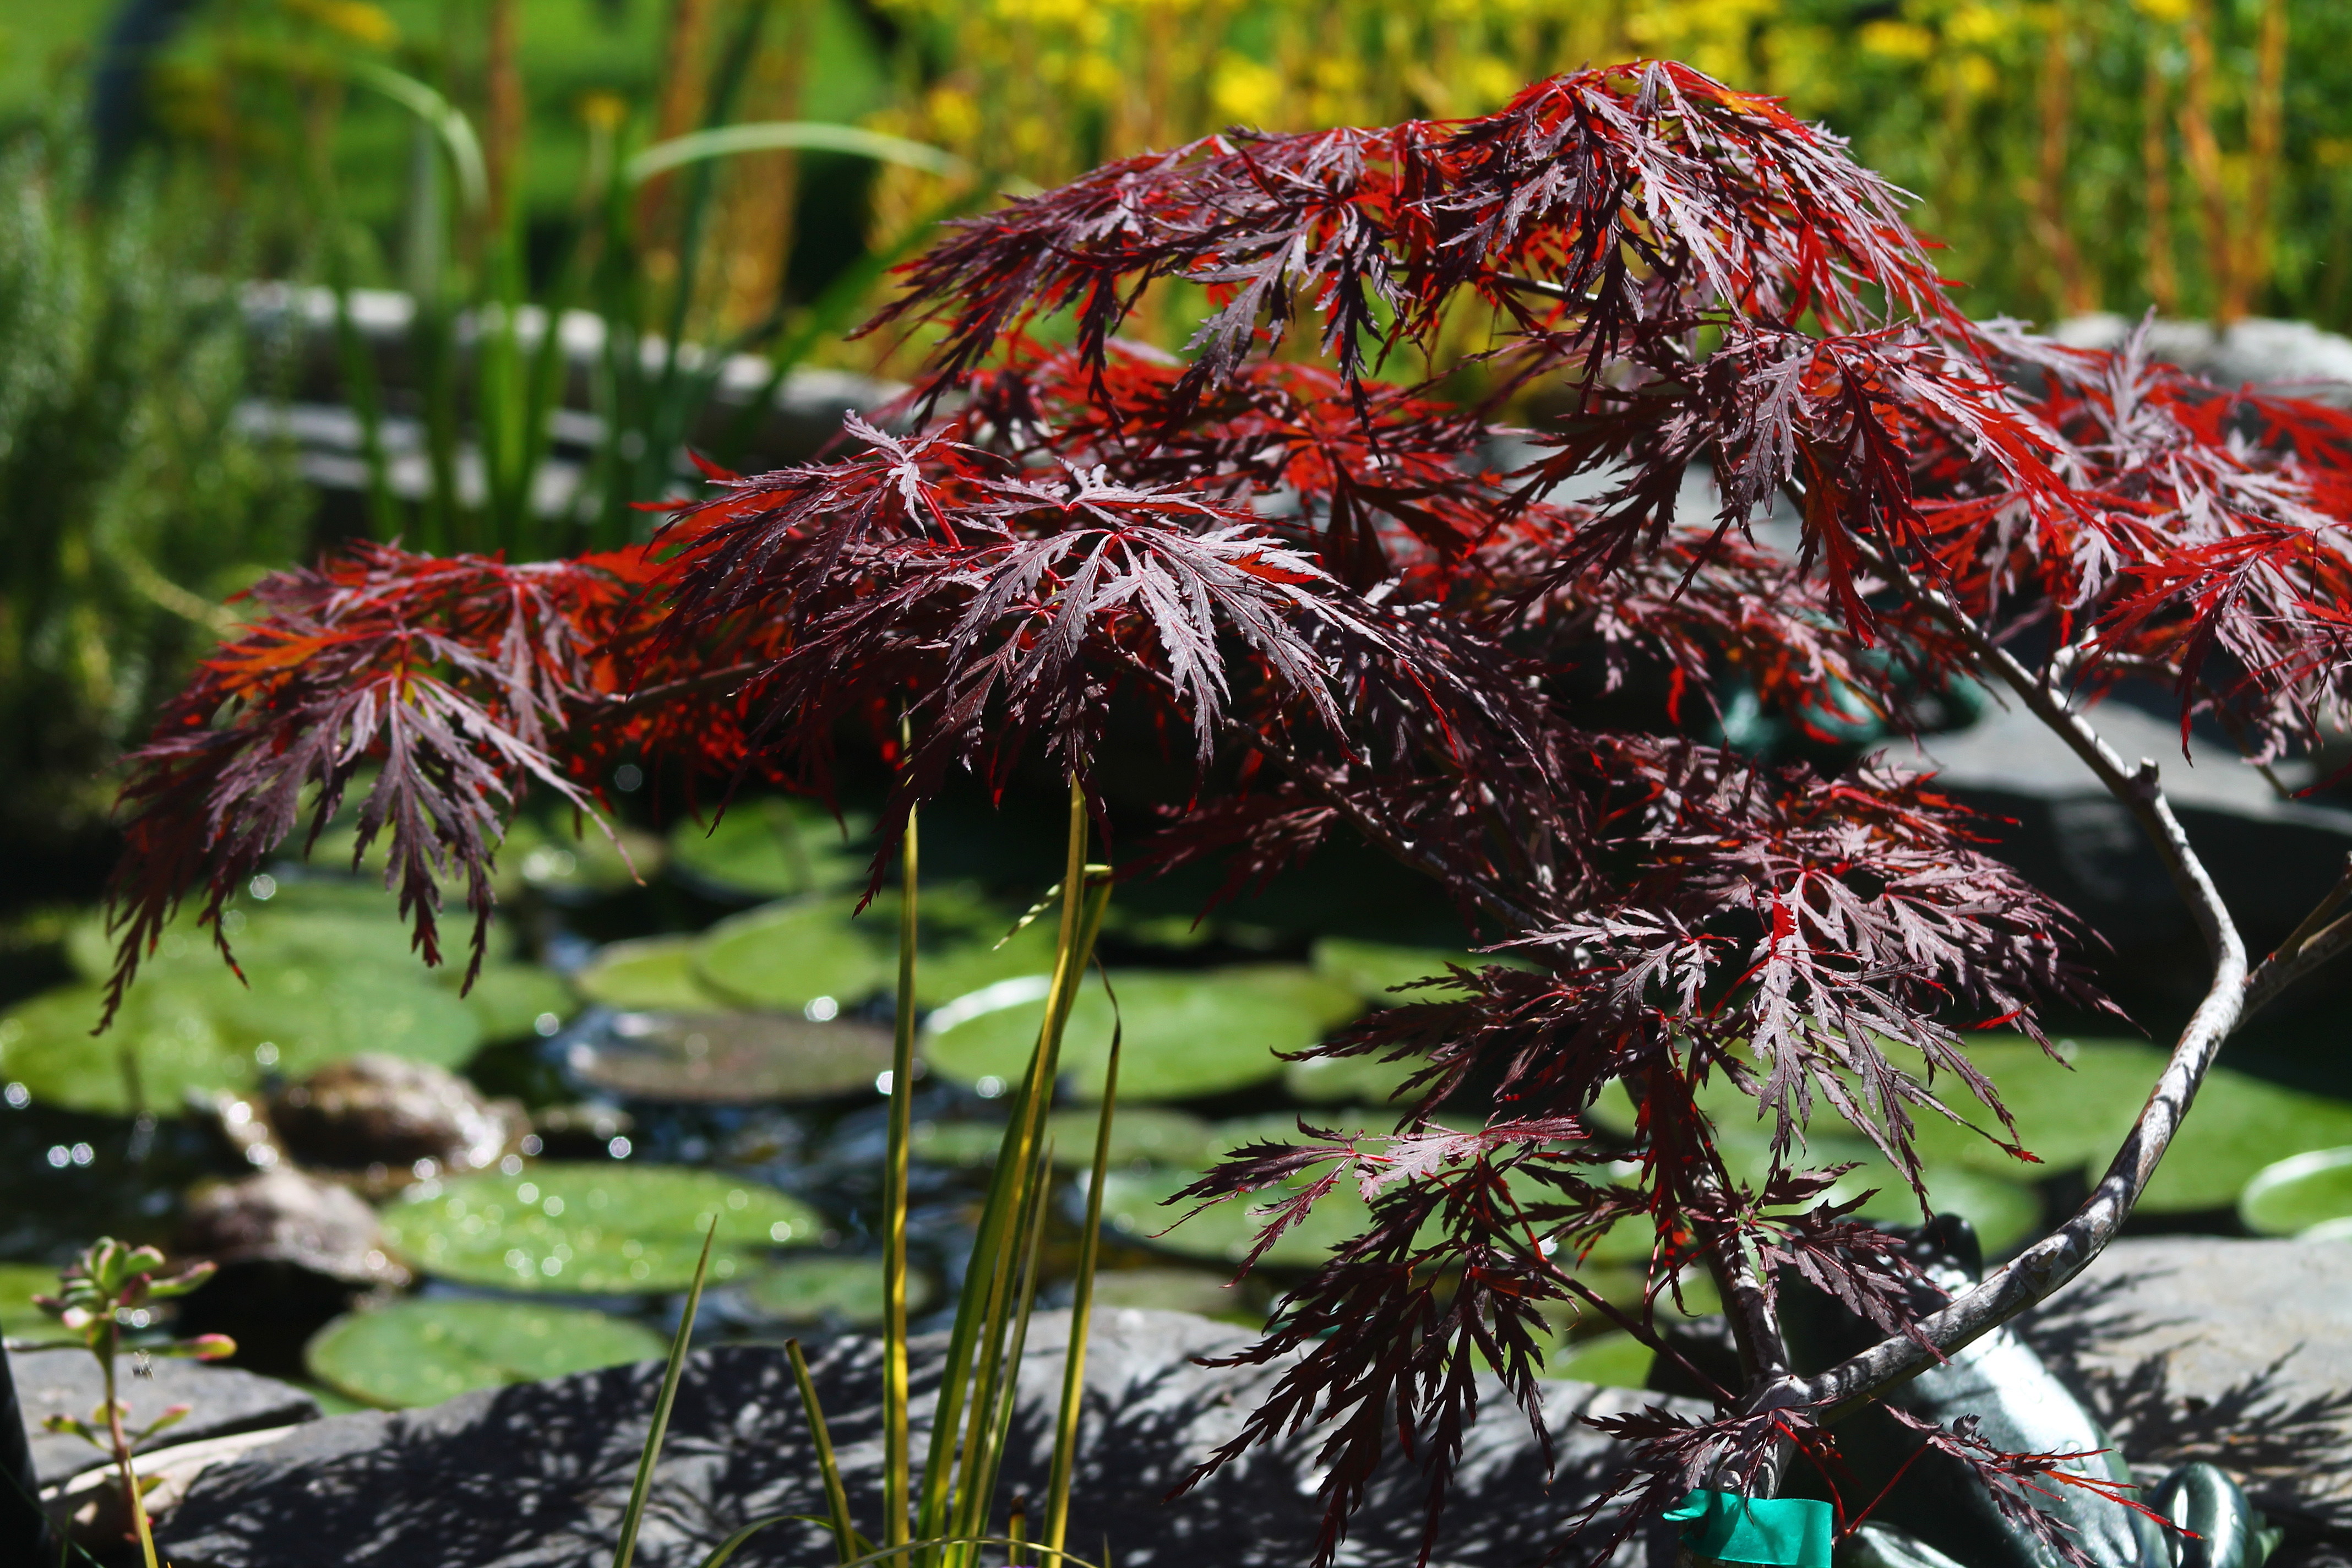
{"x":1317,"y":584}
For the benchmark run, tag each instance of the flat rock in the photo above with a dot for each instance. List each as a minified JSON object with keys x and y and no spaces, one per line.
{"x":2051,"y":818}
{"x":536,"y":1476}
{"x":2237,"y":1352}
{"x":67,"y":1383}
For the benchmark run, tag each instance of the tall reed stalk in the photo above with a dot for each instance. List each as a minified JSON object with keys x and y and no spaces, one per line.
{"x":945,"y":1524}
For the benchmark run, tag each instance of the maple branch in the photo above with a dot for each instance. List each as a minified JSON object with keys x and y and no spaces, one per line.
{"x":2058,"y":1257}
{"x":683,"y":686}
{"x":2318,"y":939}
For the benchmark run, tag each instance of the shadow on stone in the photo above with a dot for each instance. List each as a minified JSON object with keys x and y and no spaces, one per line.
{"x":536,"y":1476}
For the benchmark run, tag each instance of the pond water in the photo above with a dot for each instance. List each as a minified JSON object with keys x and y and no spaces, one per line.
{"x":639,"y":1057}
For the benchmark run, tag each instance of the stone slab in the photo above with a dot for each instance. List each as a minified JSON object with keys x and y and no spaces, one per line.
{"x":2237,"y":1352}
{"x":67,"y":1382}
{"x":536,"y":1476}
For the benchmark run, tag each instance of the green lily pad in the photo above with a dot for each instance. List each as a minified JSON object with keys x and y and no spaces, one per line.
{"x":1348,"y":1080}
{"x":1140,"y":1135}
{"x":846,"y":1291}
{"x":957,"y":968}
{"x":963,"y":1145}
{"x":1614,"y":1360}
{"x":199,"y":1030}
{"x":1186,"y":1033}
{"x":592,"y":1228}
{"x":2071,"y":1113}
{"x":416,"y":1353}
{"x":589,"y":863}
{"x":2299,"y":1193}
{"x":508,"y":1000}
{"x":1374,"y":969}
{"x":2238,"y":1128}
{"x":732,"y":1058}
{"x":771,"y":848}
{"x":2004,"y":1214}
{"x":787,"y":956}
{"x":653,"y":973}
{"x":1195,"y":1290}
{"x":1135,"y":1208}
{"x":20,"y":1283}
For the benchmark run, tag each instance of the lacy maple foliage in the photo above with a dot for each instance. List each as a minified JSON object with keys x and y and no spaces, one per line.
{"x":1334,"y":598}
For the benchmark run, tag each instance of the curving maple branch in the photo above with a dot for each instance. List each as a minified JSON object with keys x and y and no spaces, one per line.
{"x":2051,"y":1263}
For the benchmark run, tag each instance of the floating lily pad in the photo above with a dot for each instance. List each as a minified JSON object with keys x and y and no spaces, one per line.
{"x":653,"y":973}
{"x":1134,"y":1207}
{"x":592,"y":1228}
{"x":1186,"y":1033}
{"x":2239,"y":1127}
{"x":569,"y":866}
{"x":20,"y":1283}
{"x":508,"y":1000}
{"x":416,"y":1353}
{"x":964,"y":1145}
{"x":2300,"y":1194}
{"x":2004,"y":1214}
{"x":731,"y":1059}
{"x":954,"y":969}
{"x":847,"y":1290}
{"x":770,"y":849}
{"x":2068,"y":1113}
{"x":785,"y":956}
{"x":1140,"y":1135}
{"x":199,"y":1030}
{"x":1374,"y":969}
{"x":1176,"y":1291}
{"x":1348,"y":1080}
{"x":1615,"y":1360}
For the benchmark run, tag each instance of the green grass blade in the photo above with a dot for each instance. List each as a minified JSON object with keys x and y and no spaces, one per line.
{"x":635,"y":1514}
{"x":887,"y":1553}
{"x":895,"y":1479}
{"x":668,"y":412}
{"x":1082,"y":1302}
{"x":984,"y":1277}
{"x":448,"y":122}
{"x":778,"y":135}
{"x":1008,"y":1373}
{"x":837,"y":1496}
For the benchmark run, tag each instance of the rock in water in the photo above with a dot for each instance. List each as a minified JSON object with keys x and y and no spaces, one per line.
{"x":2236,"y":1352}
{"x":536,"y":1476}
{"x":286,"y":1217}
{"x":391,"y":1111}
{"x":223,"y":1399}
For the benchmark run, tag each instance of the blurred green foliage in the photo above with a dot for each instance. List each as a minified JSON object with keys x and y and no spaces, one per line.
{"x":130,"y":502}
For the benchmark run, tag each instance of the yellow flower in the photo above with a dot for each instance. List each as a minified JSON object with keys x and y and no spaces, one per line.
{"x":1897,"y":40}
{"x":1245,"y":91}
